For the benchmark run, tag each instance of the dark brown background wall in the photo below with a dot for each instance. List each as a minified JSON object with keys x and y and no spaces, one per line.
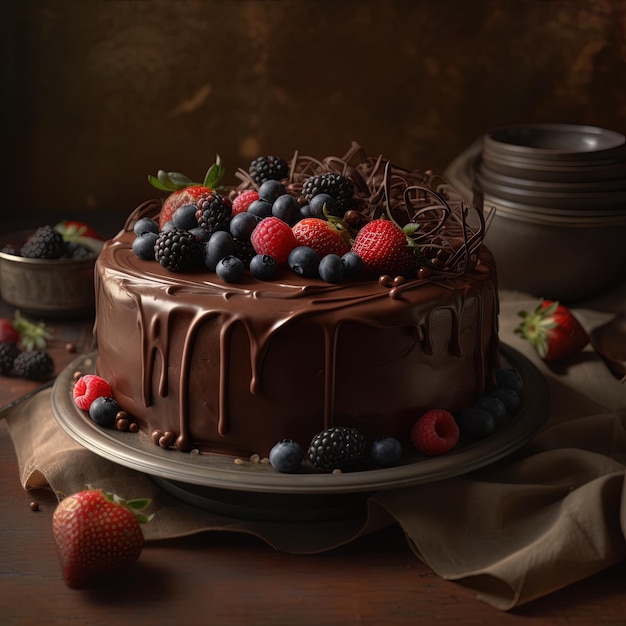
{"x":101,"y":93}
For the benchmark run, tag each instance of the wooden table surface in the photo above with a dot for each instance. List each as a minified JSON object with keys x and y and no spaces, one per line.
{"x":224,"y":578}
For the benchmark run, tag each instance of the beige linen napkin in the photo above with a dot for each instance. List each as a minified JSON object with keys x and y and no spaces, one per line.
{"x":549,"y":515}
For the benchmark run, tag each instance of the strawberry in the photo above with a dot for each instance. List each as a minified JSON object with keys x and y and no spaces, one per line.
{"x":183,"y":190}
{"x":435,"y":432}
{"x":80,"y":233}
{"x":552,"y":330}
{"x":8,"y":332}
{"x":324,"y":236}
{"x":72,"y":230}
{"x":385,"y":248}
{"x":98,"y":536}
{"x":32,"y":335}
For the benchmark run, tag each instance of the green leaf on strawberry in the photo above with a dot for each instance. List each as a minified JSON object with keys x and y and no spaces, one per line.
{"x":214,"y":174}
{"x":32,"y":335}
{"x":175,"y":181}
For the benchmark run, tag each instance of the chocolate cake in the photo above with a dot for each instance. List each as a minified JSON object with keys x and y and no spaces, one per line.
{"x":236,"y":367}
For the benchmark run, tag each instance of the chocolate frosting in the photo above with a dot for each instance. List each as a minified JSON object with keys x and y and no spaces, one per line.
{"x":234,"y":368}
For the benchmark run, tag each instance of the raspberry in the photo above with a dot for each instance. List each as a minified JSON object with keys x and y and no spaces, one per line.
{"x":88,"y":388}
{"x":273,"y":237}
{"x":434,"y":433}
{"x":244,"y":200}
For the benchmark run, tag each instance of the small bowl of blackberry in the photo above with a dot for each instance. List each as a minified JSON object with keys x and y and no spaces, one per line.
{"x":49,"y":271}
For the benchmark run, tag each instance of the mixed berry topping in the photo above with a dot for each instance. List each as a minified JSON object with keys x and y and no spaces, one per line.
{"x":392,"y":221}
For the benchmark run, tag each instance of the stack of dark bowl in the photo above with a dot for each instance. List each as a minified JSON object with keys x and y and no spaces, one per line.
{"x":558,"y":194}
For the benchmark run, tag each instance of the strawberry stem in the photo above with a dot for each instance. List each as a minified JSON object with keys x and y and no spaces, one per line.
{"x":33,"y":335}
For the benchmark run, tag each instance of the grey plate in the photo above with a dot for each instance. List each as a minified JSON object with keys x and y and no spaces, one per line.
{"x":136,"y":450}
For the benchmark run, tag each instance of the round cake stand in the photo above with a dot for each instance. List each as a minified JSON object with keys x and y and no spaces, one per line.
{"x":254,"y":490}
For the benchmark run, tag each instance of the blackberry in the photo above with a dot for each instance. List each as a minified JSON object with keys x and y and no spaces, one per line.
{"x":339,"y":447}
{"x":268,"y":168}
{"x":33,"y":364}
{"x":77,"y":251}
{"x":176,"y":250}
{"x":243,"y":250}
{"x":8,"y":354}
{"x":44,"y":243}
{"x":214,"y":213}
{"x":10,"y":249}
{"x":335,"y":185}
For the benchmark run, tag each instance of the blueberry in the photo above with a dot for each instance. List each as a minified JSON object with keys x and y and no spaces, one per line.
{"x":495,"y":406}
{"x":386,"y":451}
{"x":353,"y":264}
{"x":270,"y":190}
{"x":260,"y":208}
{"x":168,"y":226}
{"x":286,"y":208}
{"x":510,"y":398}
{"x":145,"y":225}
{"x":143,"y":246}
{"x":508,"y":378}
{"x":331,"y":269}
{"x":103,"y":411}
{"x":230,"y":269}
{"x":185,"y":217}
{"x":317,"y":203}
{"x":305,"y":211}
{"x":263,"y":267}
{"x":476,"y":423}
{"x":286,"y":456}
{"x":304,"y":261}
{"x":242,"y":225}
{"x":201,"y":234}
{"x":219,"y":245}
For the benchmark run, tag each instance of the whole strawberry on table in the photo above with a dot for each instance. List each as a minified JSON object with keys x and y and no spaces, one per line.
{"x":553,"y":330}
{"x":98,"y":536}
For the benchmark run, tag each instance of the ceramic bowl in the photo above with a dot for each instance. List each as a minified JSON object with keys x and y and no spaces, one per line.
{"x":563,"y":257}
{"x":567,"y":143}
{"x":562,"y":254}
{"x":576,"y":185}
{"x":562,"y":197}
{"x":554,"y":171}
{"x":58,"y":288}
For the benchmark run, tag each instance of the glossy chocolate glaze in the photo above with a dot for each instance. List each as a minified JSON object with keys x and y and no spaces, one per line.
{"x":234,"y":368}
